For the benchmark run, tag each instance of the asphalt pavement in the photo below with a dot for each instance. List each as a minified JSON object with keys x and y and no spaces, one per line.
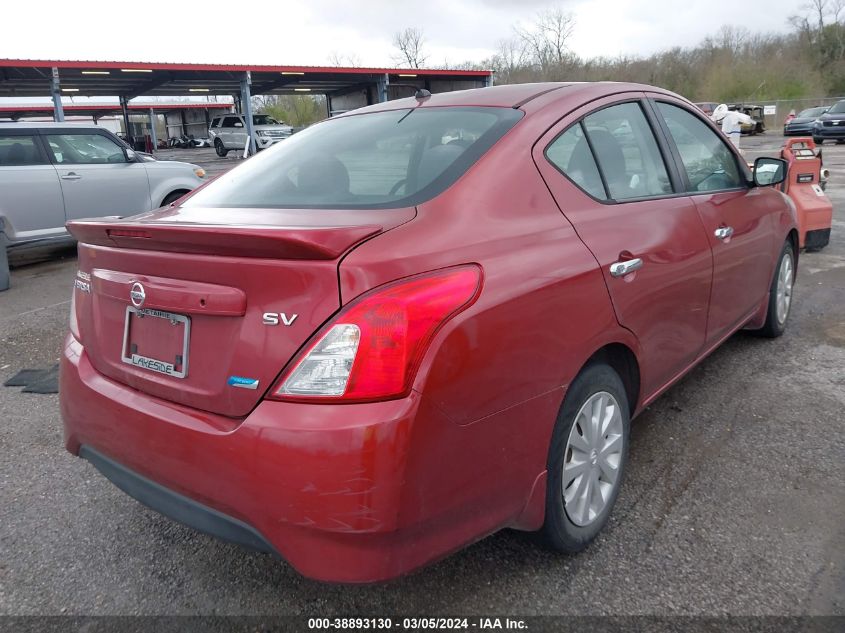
{"x":734,"y":501}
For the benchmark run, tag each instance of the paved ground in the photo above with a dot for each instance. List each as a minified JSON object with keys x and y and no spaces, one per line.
{"x":734,"y":501}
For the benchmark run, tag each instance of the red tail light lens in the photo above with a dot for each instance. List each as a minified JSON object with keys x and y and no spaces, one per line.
{"x":372,"y":349}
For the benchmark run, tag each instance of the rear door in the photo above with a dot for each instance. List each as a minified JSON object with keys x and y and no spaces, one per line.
{"x":612,"y":179}
{"x":737,"y":218}
{"x":95,"y":175}
{"x":31,"y":201}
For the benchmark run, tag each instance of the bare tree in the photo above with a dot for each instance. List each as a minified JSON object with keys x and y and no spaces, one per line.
{"x":546,"y":38}
{"x":349,"y":60}
{"x":511,"y":57}
{"x":410,"y":44}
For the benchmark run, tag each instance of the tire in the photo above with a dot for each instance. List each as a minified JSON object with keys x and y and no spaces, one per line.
{"x":571,"y":524}
{"x":219,"y":148}
{"x":780,"y":294}
{"x":172,"y":197}
{"x":818,"y":141}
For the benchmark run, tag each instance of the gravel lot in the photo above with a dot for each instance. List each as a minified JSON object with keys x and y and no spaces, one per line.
{"x":734,"y":501}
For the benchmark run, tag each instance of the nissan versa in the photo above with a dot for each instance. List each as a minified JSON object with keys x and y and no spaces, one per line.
{"x":418,"y":323}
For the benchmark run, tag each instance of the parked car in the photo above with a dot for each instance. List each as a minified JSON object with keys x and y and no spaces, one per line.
{"x":802,"y":123}
{"x":830,"y":125}
{"x":54,"y":172}
{"x":229,"y":132}
{"x":369,"y":347}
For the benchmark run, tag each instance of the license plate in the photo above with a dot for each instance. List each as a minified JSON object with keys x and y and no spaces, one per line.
{"x":157,"y":341}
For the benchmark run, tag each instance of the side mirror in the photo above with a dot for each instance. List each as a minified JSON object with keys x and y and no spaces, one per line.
{"x":131,"y":156}
{"x":769,"y":171}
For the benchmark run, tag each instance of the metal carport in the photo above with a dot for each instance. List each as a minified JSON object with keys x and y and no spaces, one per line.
{"x":127,"y":80}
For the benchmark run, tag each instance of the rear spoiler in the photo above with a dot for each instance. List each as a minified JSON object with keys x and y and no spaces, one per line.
{"x":235,"y":241}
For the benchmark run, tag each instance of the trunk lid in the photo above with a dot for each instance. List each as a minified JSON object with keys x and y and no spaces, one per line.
{"x":173,"y":302}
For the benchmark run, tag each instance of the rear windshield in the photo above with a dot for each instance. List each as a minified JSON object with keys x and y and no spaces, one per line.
{"x":379,"y":160}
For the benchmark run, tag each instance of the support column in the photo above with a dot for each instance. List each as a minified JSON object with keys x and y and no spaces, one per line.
{"x":55,"y":90}
{"x":246,"y":108}
{"x":153,"y":130}
{"x":488,"y":81}
{"x":382,"y":84}
{"x":126,"y":129}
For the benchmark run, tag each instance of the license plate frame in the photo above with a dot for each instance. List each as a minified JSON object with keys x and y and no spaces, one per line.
{"x":154,"y":364}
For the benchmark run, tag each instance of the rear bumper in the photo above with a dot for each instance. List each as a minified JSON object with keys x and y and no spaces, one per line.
{"x":175,"y":506}
{"x":352,"y":493}
{"x":323,"y":493}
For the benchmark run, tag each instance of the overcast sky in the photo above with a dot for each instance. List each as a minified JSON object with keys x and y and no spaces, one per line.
{"x":290,"y":32}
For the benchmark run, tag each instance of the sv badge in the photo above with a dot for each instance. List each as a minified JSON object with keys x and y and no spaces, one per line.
{"x":275,"y":318}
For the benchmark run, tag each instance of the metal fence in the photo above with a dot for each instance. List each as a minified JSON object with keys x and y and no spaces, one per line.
{"x":784,"y":106}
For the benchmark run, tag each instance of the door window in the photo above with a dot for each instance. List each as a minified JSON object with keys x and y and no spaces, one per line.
{"x":84,"y":149}
{"x":627,"y":153}
{"x":709,"y":164}
{"x":19,"y":150}
{"x":571,"y":154}
{"x":232,"y":121}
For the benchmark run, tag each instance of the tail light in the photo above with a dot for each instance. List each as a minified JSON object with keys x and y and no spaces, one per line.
{"x":371,"y":350}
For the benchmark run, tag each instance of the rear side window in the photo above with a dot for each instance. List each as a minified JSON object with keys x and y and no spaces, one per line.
{"x":709,"y":164}
{"x":215,"y":122}
{"x":19,"y":150}
{"x":571,"y":154}
{"x":627,"y":153}
{"x":378,"y":160}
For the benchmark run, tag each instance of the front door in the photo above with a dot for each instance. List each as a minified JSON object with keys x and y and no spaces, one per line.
{"x":610,"y":179}
{"x":736,"y":217}
{"x":96,"y":177}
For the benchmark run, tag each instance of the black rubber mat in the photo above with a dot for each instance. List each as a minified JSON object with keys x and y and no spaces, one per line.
{"x":36,"y":380}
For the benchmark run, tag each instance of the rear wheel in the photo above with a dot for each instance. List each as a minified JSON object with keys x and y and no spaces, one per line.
{"x":780,"y":294}
{"x":218,"y":147}
{"x":818,"y":141}
{"x":587,"y":458}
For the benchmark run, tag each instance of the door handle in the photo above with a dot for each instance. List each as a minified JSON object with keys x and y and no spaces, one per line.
{"x":618,"y":269}
{"x":71,"y":176}
{"x":723,"y":232}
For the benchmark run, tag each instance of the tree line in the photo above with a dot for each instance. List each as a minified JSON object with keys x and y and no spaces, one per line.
{"x":733,"y":65}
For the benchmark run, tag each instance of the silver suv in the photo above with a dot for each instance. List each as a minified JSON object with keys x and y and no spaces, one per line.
{"x":54,"y":172}
{"x":228,"y":132}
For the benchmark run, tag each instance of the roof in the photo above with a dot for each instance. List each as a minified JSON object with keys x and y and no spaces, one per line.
{"x":103,"y":109}
{"x":506,"y":96}
{"x":31,"y":77}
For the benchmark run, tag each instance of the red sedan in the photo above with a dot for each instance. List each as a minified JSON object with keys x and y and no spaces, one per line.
{"x":413,"y":325}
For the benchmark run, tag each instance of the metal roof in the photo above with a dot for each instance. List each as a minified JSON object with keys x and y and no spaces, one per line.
{"x":29,"y":77}
{"x":14,"y":111}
